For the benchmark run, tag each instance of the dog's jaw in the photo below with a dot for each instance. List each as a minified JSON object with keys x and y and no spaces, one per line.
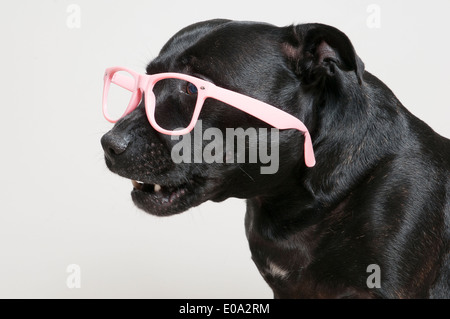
{"x":165,"y":200}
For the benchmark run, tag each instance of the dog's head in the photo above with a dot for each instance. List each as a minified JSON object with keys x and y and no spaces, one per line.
{"x":290,"y":68}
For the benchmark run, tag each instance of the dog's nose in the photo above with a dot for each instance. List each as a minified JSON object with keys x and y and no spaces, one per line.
{"x":113,"y":144}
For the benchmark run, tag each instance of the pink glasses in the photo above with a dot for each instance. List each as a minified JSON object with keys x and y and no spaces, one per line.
{"x":192,"y":92}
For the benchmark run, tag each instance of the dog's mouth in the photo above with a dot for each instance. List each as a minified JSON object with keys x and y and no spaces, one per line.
{"x":161,"y":194}
{"x":166,"y":200}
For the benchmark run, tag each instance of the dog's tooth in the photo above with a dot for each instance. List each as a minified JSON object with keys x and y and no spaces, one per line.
{"x":157,"y":187}
{"x":136,"y":184}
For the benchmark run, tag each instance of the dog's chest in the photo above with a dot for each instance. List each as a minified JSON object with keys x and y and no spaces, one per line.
{"x":280,"y":263}
{"x":288,"y":273}
{"x":282,"y":268}
{"x":287,"y":264}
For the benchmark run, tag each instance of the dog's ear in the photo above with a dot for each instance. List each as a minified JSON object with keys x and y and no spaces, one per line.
{"x":316,"y":50}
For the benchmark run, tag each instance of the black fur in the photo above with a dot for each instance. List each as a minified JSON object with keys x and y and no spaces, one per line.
{"x":379,"y":193}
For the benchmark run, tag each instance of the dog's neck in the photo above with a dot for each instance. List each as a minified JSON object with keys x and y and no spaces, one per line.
{"x":344,"y":160}
{"x":300,"y":214}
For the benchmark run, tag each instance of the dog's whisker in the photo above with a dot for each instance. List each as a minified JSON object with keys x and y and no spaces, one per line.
{"x":246,"y":173}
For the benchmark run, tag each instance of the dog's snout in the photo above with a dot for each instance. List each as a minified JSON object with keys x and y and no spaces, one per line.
{"x":113,"y":144}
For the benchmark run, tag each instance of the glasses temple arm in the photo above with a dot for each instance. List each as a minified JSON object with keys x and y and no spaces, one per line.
{"x":267,"y":113}
{"x":310,"y":159}
{"x":123,"y":81}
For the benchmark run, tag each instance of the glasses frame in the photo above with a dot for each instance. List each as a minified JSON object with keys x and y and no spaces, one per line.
{"x":143,"y":84}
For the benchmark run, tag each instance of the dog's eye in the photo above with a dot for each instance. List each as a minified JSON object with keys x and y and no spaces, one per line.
{"x":191,"y":89}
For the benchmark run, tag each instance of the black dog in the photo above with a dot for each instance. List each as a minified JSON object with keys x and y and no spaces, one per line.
{"x":378,"y":195}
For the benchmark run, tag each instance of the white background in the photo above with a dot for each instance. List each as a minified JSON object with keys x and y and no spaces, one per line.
{"x":59,"y":205}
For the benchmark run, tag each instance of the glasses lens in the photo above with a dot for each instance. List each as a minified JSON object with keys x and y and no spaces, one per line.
{"x":175,"y":103}
{"x":119,"y":94}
